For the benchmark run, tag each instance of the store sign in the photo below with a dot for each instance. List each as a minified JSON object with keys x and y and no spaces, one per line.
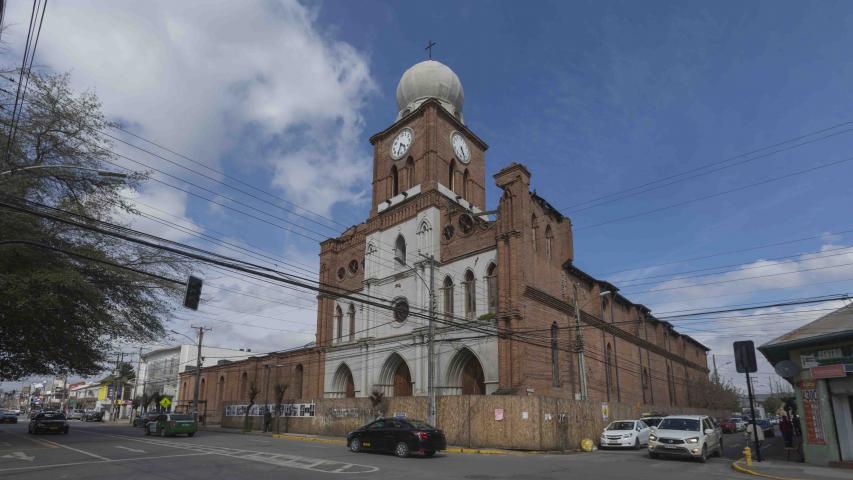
{"x":812,"y":413}
{"x":808,"y":361}
{"x":828,"y":371}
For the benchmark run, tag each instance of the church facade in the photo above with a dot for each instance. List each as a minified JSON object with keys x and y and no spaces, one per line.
{"x":513,"y":313}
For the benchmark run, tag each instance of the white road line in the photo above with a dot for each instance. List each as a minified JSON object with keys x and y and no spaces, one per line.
{"x":84,"y":452}
{"x":130,"y":449}
{"x":120,"y":460}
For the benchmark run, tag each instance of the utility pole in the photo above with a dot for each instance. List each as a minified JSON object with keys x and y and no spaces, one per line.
{"x":136,"y":381}
{"x":579,"y":345}
{"x":201,"y":330}
{"x":116,"y":386}
{"x":431,"y":346}
{"x":716,"y":373}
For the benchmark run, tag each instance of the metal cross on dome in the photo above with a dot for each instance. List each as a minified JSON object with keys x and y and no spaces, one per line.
{"x":429,"y":48}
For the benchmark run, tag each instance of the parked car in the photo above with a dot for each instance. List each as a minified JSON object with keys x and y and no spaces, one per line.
{"x":171,"y":424}
{"x":402,"y":436}
{"x":48,"y":422}
{"x":740,"y":423}
{"x":625,"y":433}
{"x":75,"y":415}
{"x":8,"y":416}
{"x":767,"y":427}
{"x":143,"y":418}
{"x":93,"y":416}
{"x":651,"y":421}
{"x":688,"y":436}
{"x":728,"y":426}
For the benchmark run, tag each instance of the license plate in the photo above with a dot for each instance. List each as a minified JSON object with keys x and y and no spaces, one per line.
{"x":613,"y":443}
{"x":669,"y":446}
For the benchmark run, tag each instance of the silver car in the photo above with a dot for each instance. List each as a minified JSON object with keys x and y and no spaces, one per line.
{"x":694,"y":436}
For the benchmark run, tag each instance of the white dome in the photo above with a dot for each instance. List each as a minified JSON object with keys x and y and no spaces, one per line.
{"x":430,"y":79}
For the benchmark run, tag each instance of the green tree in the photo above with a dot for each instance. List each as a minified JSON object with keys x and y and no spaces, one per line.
{"x":61,"y":311}
{"x":771,"y":404}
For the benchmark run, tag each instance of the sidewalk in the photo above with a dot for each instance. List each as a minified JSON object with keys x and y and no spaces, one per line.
{"x":781,"y":470}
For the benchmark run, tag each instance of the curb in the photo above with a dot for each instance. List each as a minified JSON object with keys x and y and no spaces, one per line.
{"x":480,"y":451}
{"x":305,"y":438}
{"x":742,"y":469}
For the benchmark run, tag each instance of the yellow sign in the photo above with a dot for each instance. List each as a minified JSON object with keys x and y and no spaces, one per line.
{"x":165,"y":402}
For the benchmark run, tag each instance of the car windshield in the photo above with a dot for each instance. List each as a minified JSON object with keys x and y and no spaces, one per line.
{"x":620,"y":426}
{"x":687,"y":424}
{"x":420,"y":425}
{"x":652,"y":421}
{"x":182,"y":417}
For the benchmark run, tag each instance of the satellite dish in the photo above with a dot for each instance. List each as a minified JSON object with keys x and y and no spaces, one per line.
{"x":786,"y":369}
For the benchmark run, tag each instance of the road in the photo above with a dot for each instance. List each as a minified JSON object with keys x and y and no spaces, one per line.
{"x":771,"y":448}
{"x":106,"y":451}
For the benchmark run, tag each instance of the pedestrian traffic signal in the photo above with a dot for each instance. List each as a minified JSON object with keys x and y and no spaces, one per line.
{"x":745,"y":357}
{"x":193,"y":294}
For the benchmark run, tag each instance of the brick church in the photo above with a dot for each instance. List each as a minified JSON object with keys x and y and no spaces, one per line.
{"x":505,"y":286}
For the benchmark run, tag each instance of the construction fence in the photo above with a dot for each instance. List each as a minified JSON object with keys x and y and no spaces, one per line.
{"x":475,"y":421}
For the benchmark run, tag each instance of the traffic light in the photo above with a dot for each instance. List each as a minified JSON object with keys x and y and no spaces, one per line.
{"x":193,"y":294}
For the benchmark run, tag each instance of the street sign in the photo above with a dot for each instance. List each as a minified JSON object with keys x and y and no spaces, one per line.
{"x":165,"y":402}
{"x":745,"y":357}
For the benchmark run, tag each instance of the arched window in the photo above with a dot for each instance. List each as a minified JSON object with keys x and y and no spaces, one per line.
{"x":447,"y":290}
{"x":202,"y":395}
{"x":244,"y":382}
{"x":339,"y":323}
{"x":608,"y":369}
{"x":533,"y":228}
{"x":451,"y":176}
{"x":555,"y":357}
{"x":298,"y":373}
{"x":465,"y":184}
{"x":220,"y":391}
{"x":395,"y":181}
{"x":549,"y":240}
{"x":470,"y":295}
{"x":410,"y":173}
{"x":400,"y":250}
{"x":670,"y":383}
{"x":492,"y":287}
{"x":424,"y":237}
{"x":351,"y":317}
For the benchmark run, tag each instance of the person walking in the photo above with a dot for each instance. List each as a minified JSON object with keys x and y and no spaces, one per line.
{"x":787,"y":430}
{"x":267,"y":419}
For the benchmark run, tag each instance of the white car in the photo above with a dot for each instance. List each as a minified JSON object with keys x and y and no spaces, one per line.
{"x":695,"y":436}
{"x":625,"y":433}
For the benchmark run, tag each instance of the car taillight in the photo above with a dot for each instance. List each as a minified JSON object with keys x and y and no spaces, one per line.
{"x":422,"y":435}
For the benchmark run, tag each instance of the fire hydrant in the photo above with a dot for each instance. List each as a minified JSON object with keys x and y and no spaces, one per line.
{"x":747,"y":454}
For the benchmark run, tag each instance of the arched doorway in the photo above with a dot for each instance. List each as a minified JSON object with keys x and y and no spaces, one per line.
{"x":465,"y":374}
{"x":343,"y":385}
{"x":395,"y":377}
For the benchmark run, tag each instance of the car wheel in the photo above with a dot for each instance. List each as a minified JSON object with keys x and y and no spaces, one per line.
{"x":147,"y":432}
{"x":163,"y":433}
{"x":191,"y":434}
{"x":429,"y":453}
{"x":637,"y":444}
{"x":704,"y":457}
{"x":355,"y":445}
{"x":653,"y":455}
{"x":720,"y":449}
{"x":401,"y":450}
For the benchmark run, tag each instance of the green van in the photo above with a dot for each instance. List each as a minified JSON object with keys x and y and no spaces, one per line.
{"x":170,"y":424}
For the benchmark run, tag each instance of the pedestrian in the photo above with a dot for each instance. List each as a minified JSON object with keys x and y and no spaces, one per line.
{"x":787,"y":431}
{"x":267,"y":419}
{"x":796,"y":422}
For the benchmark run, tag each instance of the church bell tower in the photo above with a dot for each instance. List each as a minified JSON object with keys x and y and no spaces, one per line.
{"x":428,"y":147}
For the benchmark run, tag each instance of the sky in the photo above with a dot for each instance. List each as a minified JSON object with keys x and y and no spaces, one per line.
{"x":279,"y":98}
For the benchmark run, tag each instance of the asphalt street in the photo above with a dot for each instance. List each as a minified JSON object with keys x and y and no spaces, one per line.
{"x":109,"y":451}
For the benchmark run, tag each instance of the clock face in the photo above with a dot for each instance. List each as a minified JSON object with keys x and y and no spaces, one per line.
{"x":460,"y":147}
{"x":401,"y":143}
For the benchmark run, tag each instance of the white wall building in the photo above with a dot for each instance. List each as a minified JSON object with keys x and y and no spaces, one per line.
{"x":159,"y":369}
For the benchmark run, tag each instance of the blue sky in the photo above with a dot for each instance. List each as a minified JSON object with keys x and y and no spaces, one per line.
{"x":595,"y":97}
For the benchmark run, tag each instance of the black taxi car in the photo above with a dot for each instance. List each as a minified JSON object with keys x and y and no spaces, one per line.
{"x":402,"y":436}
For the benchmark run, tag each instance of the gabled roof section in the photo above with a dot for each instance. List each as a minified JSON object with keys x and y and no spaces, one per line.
{"x":833,"y":326}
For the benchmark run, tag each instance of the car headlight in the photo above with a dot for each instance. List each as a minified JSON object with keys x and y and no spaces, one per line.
{"x":627,"y":435}
{"x":652,"y":436}
{"x":692,"y":440}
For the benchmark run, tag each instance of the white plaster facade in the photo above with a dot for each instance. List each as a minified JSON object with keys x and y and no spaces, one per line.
{"x":159,"y":369}
{"x":372,"y":344}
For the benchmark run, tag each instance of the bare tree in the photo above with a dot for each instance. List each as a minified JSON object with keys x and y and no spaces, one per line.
{"x":252,"y":394}
{"x":280,"y":389}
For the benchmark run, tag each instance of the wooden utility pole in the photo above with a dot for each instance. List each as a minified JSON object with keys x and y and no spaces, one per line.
{"x":201,"y":330}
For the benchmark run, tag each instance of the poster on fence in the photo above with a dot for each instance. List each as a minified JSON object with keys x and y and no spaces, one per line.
{"x":282,"y":410}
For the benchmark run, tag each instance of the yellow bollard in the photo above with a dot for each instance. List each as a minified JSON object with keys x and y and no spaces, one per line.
{"x":747,"y":453}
